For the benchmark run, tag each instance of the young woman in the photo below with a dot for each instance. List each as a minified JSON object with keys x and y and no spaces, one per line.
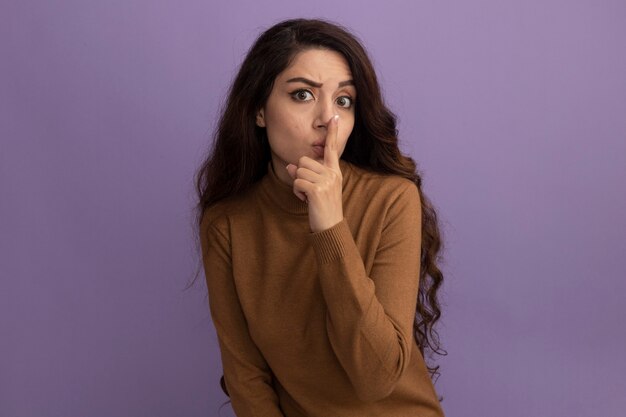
{"x":318,"y":245}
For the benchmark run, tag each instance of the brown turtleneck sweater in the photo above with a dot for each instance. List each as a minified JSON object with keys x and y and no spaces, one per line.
{"x":319,"y":324}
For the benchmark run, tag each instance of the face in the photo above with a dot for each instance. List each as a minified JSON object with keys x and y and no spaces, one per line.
{"x":316,"y":86}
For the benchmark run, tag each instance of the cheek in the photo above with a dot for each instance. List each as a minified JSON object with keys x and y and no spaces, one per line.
{"x":294,"y":126}
{"x":299,"y":128}
{"x":345,"y":131}
{"x":286,"y":131}
{"x":286,"y":123}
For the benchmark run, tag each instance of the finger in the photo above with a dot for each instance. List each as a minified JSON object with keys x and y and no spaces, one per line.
{"x":307,"y":174}
{"x":291,"y":169}
{"x":300,"y":188}
{"x":311,"y":164}
{"x":301,"y":196}
{"x":331,"y":155}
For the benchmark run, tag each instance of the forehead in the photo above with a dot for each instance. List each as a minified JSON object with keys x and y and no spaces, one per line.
{"x":318,"y":65}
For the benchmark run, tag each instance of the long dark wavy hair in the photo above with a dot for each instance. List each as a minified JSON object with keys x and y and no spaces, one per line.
{"x":240,"y":152}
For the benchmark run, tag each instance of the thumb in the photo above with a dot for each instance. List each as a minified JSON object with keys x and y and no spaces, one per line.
{"x":291,"y":169}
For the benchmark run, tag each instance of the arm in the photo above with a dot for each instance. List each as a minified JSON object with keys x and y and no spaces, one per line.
{"x":370,"y":319}
{"x":247,"y":375}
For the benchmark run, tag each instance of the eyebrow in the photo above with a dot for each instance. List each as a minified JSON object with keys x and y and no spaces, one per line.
{"x":317,"y":85}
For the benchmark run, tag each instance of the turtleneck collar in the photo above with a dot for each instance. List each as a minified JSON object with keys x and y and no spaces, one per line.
{"x":281,"y":194}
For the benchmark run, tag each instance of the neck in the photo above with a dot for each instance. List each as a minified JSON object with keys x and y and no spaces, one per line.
{"x":280,"y":171}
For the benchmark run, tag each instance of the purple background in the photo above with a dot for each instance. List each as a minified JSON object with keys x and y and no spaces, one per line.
{"x":515,"y":111}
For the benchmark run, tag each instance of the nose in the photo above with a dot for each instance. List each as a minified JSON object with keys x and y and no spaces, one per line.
{"x":325,"y":110}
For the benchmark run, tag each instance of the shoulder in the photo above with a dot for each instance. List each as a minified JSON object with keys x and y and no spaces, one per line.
{"x":389,"y":187}
{"x":219,"y":215}
{"x":389,"y":203}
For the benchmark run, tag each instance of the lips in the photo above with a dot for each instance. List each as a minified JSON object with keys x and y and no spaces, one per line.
{"x":319,"y":150}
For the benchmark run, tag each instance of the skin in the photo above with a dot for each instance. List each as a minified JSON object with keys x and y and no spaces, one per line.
{"x":297,"y":115}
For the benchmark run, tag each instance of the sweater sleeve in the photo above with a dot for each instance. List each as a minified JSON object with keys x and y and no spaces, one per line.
{"x":370,"y":319}
{"x":247,"y":375}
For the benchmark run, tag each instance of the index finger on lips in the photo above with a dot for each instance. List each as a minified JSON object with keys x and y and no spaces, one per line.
{"x":331,"y":158}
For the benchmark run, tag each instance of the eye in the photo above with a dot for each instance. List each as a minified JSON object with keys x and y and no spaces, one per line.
{"x":300,"y":95}
{"x":344,"y":99}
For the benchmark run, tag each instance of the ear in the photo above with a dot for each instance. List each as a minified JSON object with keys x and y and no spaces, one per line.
{"x":260,"y":118}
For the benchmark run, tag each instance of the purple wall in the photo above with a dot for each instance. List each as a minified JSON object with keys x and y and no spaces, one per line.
{"x":515,"y":111}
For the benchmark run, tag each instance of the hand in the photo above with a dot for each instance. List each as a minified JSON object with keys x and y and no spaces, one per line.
{"x":320,"y":185}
